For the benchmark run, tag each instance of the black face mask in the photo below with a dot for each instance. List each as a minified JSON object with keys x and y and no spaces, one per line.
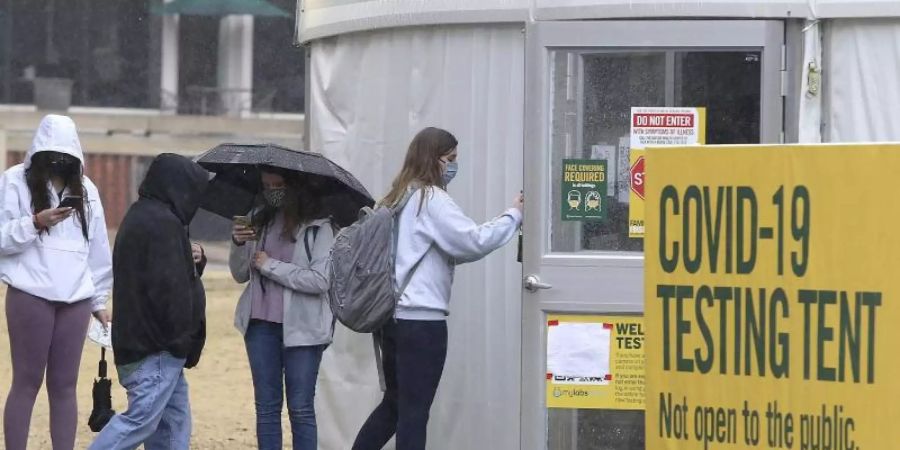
{"x":62,"y":166}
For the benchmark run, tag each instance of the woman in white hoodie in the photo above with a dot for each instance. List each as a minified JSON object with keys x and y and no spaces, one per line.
{"x":434,"y":235}
{"x":57,"y":265}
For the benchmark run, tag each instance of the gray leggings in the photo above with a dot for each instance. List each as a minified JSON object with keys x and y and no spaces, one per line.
{"x":43,"y":335}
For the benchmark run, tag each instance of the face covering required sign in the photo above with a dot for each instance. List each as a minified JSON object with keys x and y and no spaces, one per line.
{"x":584,"y":189}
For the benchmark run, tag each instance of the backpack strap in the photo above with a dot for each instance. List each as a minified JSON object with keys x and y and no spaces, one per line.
{"x":403,"y":201}
{"x":411,"y":273}
{"x":397,"y":209}
{"x":379,"y":362}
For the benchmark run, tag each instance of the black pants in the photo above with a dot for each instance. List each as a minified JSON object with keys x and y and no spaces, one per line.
{"x":413,"y":354}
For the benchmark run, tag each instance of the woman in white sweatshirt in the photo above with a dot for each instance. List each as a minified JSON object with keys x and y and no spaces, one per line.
{"x":57,"y":264}
{"x":434,"y":235}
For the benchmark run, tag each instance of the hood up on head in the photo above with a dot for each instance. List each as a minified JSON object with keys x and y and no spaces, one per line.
{"x":178,"y":182}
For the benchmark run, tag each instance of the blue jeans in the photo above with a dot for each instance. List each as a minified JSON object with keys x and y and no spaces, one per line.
{"x":275,"y":367}
{"x":159,"y":413}
{"x":412,"y":355}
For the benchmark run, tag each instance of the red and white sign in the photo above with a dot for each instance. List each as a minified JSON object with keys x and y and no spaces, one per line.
{"x":666,"y":126}
{"x":637,"y":177}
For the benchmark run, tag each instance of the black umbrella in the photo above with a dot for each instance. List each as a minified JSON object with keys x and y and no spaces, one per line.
{"x":102,"y":411}
{"x":236,"y":183}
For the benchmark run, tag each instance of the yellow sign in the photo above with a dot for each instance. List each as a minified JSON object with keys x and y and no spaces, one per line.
{"x":772,"y":297}
{"x":595,"y":362}
{"x":657,"y":127}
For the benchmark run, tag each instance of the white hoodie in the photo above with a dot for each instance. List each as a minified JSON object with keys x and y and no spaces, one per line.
{"x":441,"y":236}
{"x":59,"y":265}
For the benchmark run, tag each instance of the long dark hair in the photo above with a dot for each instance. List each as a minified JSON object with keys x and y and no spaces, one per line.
{"x":38,"y":175}
{"x":422,"y":164}
{"x":302,"y":203}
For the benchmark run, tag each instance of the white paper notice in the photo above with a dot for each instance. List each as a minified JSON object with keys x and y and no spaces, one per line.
{"x":100,"y":335}
{"x":608,"y":154}
{"x":578,"y":349}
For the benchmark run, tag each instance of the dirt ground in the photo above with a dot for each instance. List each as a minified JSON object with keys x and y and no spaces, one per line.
{"x":220,"y":388}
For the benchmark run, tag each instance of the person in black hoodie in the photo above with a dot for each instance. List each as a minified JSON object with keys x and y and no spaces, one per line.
{"x":159,"y":301}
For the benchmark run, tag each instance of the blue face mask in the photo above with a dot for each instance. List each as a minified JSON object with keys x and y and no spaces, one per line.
{"x":450,"y":172}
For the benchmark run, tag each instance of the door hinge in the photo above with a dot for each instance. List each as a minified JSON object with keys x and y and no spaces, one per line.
{"x":785,"y":79}
{"x":783,"y":57}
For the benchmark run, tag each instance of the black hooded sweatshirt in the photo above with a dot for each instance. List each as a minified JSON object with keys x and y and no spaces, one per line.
{"x":158,"y":298}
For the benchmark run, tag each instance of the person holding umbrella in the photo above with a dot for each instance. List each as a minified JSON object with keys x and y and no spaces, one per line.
{"x":54,"y":256}
{"x":283,"y":312}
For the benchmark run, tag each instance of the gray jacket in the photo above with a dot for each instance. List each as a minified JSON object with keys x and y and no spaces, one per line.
{"x":307,"y":315}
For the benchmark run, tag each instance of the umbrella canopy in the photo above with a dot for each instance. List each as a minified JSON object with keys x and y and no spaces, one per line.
{"x":222,"y":8}
{"x":234,"y":188}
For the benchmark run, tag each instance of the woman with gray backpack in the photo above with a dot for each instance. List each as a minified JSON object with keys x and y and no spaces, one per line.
{"x":282,"y":249}
{"x":433,"y":236}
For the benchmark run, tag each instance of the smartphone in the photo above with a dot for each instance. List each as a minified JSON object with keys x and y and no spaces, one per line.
{"x":70,"y":201}
{"x":243,"y":221}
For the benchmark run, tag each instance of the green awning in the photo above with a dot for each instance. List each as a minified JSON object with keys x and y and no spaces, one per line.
{"x":222,"y":8}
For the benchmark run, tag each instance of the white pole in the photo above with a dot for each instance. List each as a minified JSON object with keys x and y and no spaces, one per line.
{"x":235,"y":66}
{"x":168,"y":83}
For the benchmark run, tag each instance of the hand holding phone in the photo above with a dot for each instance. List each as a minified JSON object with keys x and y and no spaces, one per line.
{"x":242,"y":230}
{"x":70,"y":201}
{"x":50,"y":217}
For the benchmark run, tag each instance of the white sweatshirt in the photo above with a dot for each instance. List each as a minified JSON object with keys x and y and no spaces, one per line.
{"x":441,"y":236}
{"x":59,"y":265}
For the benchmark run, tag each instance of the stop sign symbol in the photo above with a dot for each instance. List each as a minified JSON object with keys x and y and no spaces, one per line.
{"x":637,"y":177}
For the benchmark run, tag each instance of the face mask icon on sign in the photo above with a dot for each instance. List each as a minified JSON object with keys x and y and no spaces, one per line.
{"x":592,"y":201}
{"x":574,"y":199}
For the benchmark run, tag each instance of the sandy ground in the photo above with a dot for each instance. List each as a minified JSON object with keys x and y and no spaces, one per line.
{"x":220,"y":387}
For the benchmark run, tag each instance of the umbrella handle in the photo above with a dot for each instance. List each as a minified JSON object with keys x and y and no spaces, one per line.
{"x":102,"y":368}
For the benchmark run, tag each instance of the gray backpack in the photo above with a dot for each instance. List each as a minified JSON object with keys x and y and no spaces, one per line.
{"x":363,"y":293}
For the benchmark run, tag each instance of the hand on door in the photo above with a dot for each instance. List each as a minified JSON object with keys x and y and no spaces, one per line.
{"x":519,"y":202}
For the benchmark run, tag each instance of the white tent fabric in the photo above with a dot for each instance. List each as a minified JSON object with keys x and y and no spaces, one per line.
{"x":863,"y":62}
{"x":595,"y":9}
{"x":810,"y":131}
{"x":855,"y":8}
{"x":370,"y":93}
{"x":323,"y":18}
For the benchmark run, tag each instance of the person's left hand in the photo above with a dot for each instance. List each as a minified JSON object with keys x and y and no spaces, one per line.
{"x":103,"y":317}
{"x":196,"y":252}
{"x":260,"y":259}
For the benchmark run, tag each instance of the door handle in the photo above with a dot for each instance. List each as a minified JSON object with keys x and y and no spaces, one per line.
{"x":533,"y":284}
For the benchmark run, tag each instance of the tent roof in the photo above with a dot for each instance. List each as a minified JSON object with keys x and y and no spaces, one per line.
{"x":322,"y":18}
